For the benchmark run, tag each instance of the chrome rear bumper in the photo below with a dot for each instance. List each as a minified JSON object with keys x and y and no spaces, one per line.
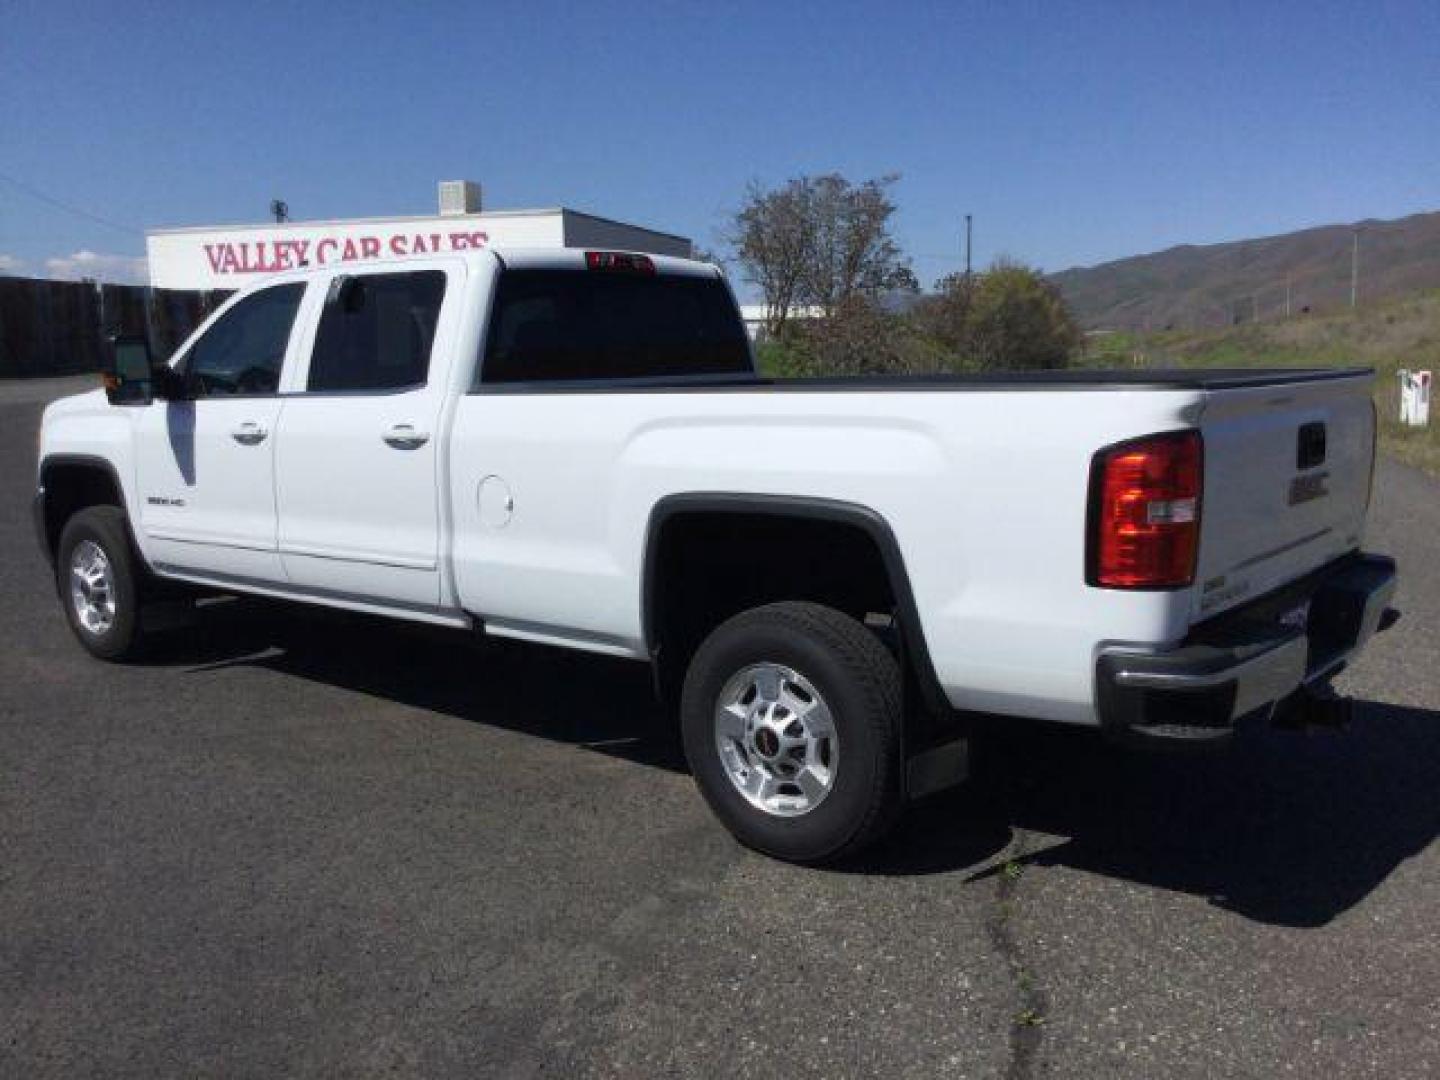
{"x":1248,"y":660}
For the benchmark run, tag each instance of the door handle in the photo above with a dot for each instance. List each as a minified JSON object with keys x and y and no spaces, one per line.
{"x":405,"y":437}
{"x":249,"y":433}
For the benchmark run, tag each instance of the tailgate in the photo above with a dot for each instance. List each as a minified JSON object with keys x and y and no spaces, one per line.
{"x":1287,"y":483}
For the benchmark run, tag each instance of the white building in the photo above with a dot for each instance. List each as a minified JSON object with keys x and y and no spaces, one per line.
{"x":756,"y":315}
{"x":229,"y":257}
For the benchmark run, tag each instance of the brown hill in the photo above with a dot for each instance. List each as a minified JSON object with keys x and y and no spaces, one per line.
{"x":1215,"y":285}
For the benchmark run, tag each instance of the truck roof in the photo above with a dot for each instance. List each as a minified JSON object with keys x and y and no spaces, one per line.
{"x":574,"y":259}
{"x":511,"y":257}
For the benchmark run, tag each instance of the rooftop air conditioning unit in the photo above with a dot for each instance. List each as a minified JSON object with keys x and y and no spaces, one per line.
{"x":459,"y":197}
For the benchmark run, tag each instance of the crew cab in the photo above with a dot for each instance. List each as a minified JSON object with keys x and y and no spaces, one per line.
{"x":830,"y":578}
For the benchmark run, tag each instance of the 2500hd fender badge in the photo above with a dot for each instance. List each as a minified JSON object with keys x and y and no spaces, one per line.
{"x":160,"y":500}
{"x":1307,"y":487}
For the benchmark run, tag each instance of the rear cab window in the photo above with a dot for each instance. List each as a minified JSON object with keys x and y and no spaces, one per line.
{"x":577,"y":325}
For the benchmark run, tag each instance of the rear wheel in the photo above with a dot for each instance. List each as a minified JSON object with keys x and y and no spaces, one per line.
{"x":96,"y":574}
{"x":791,"y":718}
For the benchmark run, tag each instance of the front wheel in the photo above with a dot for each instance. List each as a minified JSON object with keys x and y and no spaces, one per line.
{"x":791,"y":718}
{"x":96,"y":574}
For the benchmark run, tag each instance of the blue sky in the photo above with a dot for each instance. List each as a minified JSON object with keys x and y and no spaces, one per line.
{"x":1074,"y":133}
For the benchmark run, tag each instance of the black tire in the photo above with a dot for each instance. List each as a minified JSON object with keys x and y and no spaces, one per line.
{"x":105,"y":527}
{"x":860,"y":682}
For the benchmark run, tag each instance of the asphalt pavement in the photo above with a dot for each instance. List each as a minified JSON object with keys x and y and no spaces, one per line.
{"x":296,"y":843}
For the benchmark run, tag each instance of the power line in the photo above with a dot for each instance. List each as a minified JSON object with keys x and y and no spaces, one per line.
{"x":35,"y":193}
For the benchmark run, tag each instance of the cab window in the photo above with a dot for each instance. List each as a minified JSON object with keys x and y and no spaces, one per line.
{"x":243,"y":352}
{"x":553,"y":325}
{"x":376,"y":332}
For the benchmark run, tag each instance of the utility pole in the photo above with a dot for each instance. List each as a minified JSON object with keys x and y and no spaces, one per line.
{"x":1254,"y":307}
{"x":967,"y":248}
{"x":1354,"y":265}
{"x":1287,"y":296}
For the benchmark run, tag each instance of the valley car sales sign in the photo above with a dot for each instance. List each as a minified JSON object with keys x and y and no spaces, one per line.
{"x":236,"y":257}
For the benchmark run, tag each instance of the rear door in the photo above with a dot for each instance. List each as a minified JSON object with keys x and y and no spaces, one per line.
{"x":1287,"y":484}
{"x":205,"y":467}
{"x":357,"y":448}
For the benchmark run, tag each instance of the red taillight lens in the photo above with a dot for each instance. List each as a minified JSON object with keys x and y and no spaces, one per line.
{"x":621,"y":262}
{"x":1145,"y":516}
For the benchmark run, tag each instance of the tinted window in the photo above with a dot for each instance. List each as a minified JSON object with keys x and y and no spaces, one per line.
{"x":552,"y":325}
{"x":376,"y":331}
{"x":244,"y":351}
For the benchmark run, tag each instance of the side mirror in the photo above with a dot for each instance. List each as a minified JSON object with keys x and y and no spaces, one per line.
{"x":129,"y":378}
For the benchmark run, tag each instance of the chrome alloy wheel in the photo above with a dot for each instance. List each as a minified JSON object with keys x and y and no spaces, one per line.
{"x":776,"y":738}
{"x":92,"y":587}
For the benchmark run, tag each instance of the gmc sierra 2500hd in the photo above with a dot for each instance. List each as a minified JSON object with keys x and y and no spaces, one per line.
{"x":573,"y":447}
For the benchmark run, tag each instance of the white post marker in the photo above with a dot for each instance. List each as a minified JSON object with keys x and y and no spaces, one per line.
{"x":1415,"y":397}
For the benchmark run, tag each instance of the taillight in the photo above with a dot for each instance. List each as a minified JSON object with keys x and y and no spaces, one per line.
{"x":1145,"y":512}
{"x":621,"y":262}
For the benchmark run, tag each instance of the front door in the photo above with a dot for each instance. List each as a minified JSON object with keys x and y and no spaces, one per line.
{"x":357,"y":452}
{"x":205,"y":467}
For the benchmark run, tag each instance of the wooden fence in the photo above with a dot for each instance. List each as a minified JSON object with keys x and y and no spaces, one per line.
{"x":60,"y":327}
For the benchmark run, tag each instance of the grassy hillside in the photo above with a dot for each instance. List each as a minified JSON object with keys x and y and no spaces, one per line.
{"x":1386,"y":336}
{"x":1215,"y":284}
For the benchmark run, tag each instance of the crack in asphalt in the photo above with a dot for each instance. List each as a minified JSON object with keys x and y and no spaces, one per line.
{"x":1027,"y":1024}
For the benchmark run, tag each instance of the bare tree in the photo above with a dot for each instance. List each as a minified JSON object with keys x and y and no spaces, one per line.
{"x":853,"y":253}
{"x":819,"y":240}
{"x":772,"y":240}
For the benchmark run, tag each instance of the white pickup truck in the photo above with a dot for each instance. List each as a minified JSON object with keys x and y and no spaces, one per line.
{"x":832,"y":578}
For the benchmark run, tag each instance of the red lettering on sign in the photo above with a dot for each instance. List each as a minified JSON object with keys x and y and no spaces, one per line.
{"x":228,"y":258}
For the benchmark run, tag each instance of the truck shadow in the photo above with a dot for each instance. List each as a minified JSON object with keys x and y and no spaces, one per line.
{"x":1285,"y":828}
{"x":590,"y":701}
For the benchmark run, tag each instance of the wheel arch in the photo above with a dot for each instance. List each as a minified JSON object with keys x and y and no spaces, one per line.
{"x":68,"y":484}
{"x":675,"y":508}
